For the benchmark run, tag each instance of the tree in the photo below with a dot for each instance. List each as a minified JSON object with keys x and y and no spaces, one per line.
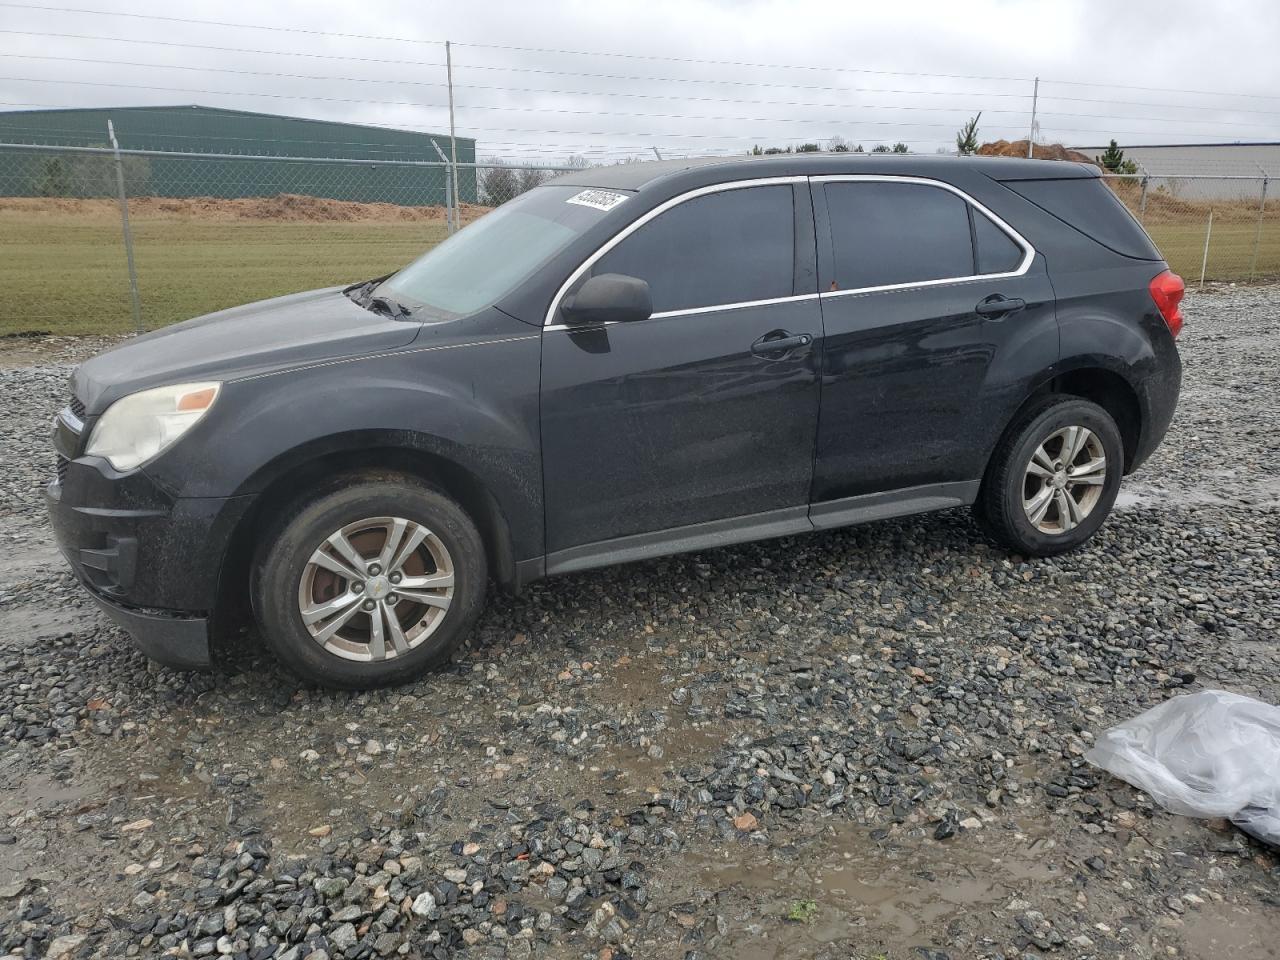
{"x":498,"y":184}
{"x":880,"y":148}
{"x":52,"y":179}
{"x":808,"y":148}
{"x":838,"y":144}
{"x":900,"y":148}
{"x":967,"y":137}
{"x":95,"y":176}
{"x":531,"y":177}
{"x":1113,"y":160}
{"x":858,"y":149}
{"x":578,"y":162}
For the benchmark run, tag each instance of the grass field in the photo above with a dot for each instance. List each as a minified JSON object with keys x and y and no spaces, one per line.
{"x":64,"y":268}
{"x":73,"y":278}
{"x":1230,"y":249}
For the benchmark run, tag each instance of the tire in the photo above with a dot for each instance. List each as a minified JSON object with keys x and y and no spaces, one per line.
{"x":1014,"y":486}
{"x":340,"y":526}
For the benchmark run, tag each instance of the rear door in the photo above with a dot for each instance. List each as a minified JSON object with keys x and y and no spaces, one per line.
{"x":925,"y":295}
{"x":689,"y":418}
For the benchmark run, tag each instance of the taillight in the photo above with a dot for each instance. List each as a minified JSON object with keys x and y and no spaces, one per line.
{"x":1167,"y":291}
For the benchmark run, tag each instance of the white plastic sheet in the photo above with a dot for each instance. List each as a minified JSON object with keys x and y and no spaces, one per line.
{"x":1208,"y":754}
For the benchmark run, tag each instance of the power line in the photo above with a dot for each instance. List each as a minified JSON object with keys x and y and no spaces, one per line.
{"x":508,"y":47}
{"x":629,"y":115}
{"x":204,"y":46}
{"x":1200,"y":93}
{"x":685,"y":97}
{"x":615,"y":54}
{"x":212,"y":23}
{"x":585,"y":93}
{"x":660,"y":96}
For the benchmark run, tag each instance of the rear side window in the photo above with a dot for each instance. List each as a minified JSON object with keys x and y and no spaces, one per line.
{"x":1089,"y":205}
{"x":728,"y":247}
{"x":995,"y":250}
{"x":891,"y":233}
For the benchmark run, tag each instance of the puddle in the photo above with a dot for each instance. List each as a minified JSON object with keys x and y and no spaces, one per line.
{"x":42,"y":793}
{"x":641,"y":770}
{"x":1225,"y":930}
{"x":36,"y":557}
{"x":899,"y":892}
{"x":1231,"y":491}
{"x":23,"y":625}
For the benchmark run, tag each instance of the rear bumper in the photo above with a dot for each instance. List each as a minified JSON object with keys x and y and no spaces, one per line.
{"x":1158,"y":397}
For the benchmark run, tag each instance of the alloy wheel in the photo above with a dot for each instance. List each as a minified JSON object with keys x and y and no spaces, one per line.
{"x":376,"y":589}
{"x":1064,"y":480}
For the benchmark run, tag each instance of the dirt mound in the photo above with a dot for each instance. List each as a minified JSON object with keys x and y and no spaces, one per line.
{"x":281,"y":208}
{"x":1042,"y":151}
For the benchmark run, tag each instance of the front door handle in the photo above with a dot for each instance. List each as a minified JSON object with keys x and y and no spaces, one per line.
{"x":997,"y":306}
{"x":779,"y":341}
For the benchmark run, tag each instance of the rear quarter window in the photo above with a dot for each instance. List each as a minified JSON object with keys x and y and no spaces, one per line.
{"x":1088,"y":205}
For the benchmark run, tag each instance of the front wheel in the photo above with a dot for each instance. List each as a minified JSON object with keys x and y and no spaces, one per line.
{"x":1053,"y":478}
{"x":370,"y":585}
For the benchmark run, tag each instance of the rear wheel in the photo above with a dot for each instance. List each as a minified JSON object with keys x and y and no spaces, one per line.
{"x":1054,"y":477}
{"x":370,"y":585}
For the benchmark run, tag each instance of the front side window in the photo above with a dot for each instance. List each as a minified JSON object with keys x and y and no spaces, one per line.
{"x":729,"y":247}
{"x":891,"y":233}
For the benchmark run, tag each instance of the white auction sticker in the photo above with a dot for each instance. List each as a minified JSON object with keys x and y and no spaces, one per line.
{"x":599,"y":199}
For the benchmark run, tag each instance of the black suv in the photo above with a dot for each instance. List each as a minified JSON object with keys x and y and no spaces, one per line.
{"x":624,"y":363}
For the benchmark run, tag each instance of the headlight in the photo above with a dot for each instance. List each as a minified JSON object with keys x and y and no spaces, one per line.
{"x":137,"y":427}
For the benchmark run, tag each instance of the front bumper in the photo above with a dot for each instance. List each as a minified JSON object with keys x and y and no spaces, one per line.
{"x":153,"y":563}
{"x":176,"y":641}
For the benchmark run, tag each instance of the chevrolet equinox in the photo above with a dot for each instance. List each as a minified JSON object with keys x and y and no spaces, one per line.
{"x":623,"y":363}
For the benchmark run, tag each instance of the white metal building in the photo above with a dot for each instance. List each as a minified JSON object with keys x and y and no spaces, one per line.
{"x":1178,"y":162}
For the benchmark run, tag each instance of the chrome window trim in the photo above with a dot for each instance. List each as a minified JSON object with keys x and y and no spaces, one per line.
{"x":548,"y":321}
{"x":1028,"y":251}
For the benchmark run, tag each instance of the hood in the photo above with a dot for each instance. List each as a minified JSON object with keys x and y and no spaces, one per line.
{"x":261,"y":337}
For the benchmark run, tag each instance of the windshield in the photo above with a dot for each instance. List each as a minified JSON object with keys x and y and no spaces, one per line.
{"x":483,"y":262}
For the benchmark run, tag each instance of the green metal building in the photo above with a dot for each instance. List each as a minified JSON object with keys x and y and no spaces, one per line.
{"x":266,"y":142}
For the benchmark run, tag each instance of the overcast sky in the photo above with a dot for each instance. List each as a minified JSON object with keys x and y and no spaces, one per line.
{"x":792,"y":72}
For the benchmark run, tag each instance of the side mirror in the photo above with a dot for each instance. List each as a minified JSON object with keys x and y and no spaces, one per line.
{"x":608,"y":298}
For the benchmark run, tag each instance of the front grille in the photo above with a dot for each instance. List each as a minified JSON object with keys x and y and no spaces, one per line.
{"x":63,"y":466}
{"x":77,"y":407}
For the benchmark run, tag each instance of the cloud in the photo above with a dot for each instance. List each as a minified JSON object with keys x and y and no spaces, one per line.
{"x":688,"y":76}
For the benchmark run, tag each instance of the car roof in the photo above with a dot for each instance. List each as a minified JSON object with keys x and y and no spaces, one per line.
{"x":638,"y":176}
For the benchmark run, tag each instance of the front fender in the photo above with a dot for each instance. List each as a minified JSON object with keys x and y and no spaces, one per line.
{"x":474,"y":404}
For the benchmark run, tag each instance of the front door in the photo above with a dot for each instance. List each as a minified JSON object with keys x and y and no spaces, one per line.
{"x":925,"y":300}
{"x":671,"y":432}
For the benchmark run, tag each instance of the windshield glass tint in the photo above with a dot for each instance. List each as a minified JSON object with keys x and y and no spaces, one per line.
{"x":483,"y":262}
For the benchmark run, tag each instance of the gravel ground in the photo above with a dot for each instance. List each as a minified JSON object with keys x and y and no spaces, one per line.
{"x":862,"y":744}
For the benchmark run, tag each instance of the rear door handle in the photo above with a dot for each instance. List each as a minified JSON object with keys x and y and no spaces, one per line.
{"x":996,"y":306}
{"x":779,"y":341}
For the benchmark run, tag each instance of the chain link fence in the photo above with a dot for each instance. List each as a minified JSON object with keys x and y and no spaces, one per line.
{"x":1208,"y":227}
{"x":210,"y":231}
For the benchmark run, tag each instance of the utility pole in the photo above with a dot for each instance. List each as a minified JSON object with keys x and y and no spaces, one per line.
{"x":1031,"y":134}
{"x":656,"y":153}
{"x":453,"y":138}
